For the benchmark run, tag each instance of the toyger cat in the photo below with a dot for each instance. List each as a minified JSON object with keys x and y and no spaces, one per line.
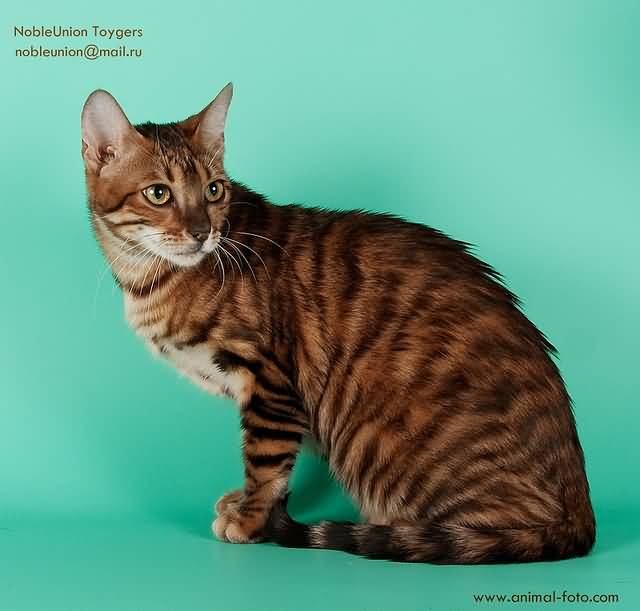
{"x":432,"y":397}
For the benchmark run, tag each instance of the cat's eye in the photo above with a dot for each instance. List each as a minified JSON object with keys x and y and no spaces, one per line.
{"x":214,"y":191}
{"x":158,"y":195}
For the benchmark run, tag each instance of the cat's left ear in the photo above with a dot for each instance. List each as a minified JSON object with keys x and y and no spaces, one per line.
{"x":206,"y":128}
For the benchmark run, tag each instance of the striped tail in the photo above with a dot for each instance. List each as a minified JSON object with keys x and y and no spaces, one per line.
{"x":435,"y":543}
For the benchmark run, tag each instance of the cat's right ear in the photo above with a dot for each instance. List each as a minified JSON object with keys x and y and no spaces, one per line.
{"x":105,"y":130}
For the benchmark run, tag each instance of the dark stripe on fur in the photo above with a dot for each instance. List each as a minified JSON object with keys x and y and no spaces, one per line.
{"x":139,"y":221}
{"x":270,"y":460}
{"x":261,"y":432}
{"x":266,"y":412}
{"x":230,"y":361}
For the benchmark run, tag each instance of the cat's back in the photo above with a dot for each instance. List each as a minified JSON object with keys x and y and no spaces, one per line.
{"x":408,"y":300}
{"x":385,"y":249}
{"x":377,"y":271}
{"x":397,"y":312}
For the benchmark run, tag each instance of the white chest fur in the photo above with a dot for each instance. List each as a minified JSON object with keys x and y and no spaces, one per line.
{"x":197,"y":362}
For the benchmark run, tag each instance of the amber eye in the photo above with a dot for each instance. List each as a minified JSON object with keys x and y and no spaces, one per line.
{"x":213,"y":191}
{"x":158,"y":195}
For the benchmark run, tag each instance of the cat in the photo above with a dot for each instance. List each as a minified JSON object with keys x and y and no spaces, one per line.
{"x":406,"y":360}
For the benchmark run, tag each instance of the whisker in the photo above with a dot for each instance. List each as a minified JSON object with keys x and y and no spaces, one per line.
{"x":231,"y":243}
{"x":222,"y":268}
{"x":101,"y":278}
{"x":237,"y":263}
{"x":129,"y":267}
{"x":136,"y":259}
{"x":149,"y":267}
{"x":109,"y":267}
{"x":233,"y":259}
{"x":213,"y":267}
{"x":147,"y":270}
{"x":157,"y":270}
{"x":124,"y":252}
{"x":255,"y":235}
{"x":254,"y":252}
{"x":158,"y":266}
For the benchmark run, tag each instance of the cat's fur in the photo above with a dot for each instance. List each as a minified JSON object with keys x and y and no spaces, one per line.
{"x":432,"y":397}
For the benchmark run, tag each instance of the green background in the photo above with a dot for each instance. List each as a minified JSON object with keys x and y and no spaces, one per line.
{"x":512,"y":125}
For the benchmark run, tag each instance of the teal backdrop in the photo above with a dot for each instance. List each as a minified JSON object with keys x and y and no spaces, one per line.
{"x":511,"y":125}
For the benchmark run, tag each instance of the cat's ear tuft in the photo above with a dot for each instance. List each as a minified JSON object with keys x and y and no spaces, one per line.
{"x":105,"y":129}
{"x":208,"y":125}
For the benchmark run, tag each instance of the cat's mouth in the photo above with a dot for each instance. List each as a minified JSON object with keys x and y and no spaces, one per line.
{"x":191,"y":254}
{"x":192,"y":250}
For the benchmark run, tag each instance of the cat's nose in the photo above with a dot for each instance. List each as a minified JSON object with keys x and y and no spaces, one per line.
{"x":200,"y":235}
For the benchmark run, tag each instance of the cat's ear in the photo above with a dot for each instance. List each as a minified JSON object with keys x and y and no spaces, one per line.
{"x":207,"y":127}
{"x":105,"y":130}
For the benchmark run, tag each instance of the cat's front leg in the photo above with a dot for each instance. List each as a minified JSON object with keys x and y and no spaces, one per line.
{"x":227,"y":501}
{"x":273,"y":432}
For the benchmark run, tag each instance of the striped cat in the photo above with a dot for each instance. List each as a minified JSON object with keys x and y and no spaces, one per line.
{"x":432,"y":397}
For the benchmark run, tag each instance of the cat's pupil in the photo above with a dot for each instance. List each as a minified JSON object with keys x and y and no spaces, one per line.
{"x":213,"y":189}
{"x":158,"y":192}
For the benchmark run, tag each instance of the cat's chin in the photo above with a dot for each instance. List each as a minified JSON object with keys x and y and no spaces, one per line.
{"x":186,"y":259}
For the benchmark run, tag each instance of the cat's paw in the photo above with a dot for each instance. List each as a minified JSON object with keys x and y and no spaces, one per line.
{"x":232,"y":527}
{"x":229,"y":501}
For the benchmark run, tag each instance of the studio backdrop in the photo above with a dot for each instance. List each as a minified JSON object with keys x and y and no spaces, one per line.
{"x":514,"y":126}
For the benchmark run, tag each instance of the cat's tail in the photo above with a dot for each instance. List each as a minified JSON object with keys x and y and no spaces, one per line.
{"x":435,"y":543}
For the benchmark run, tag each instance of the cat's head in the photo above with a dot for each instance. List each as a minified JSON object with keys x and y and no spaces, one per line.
{"x":156,"y":190}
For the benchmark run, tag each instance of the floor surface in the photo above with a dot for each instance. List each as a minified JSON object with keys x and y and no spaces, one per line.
{"x":132,"y":565}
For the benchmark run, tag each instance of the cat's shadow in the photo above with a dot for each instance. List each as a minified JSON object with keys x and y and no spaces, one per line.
{"x":616,"y":528}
